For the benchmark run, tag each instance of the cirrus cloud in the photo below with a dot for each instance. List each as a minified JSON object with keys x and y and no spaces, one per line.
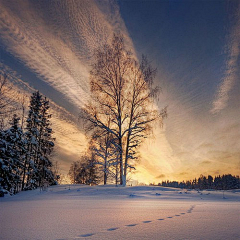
{"x":232,"y":67}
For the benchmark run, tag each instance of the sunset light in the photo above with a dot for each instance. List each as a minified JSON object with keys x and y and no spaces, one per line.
{"x":120,"y":93}
{"x":52,"y":52}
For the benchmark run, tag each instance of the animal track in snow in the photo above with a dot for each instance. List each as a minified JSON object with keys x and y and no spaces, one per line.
{"x":131,"y":225}
{"x":112,"y":229}
{"x":87,"y":235}
{"x":135,"y":224}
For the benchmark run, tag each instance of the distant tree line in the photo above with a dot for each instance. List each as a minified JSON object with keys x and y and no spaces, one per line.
{"x":224,"y":182}
{"x":85,"y":171}
{"x":26,"y":146}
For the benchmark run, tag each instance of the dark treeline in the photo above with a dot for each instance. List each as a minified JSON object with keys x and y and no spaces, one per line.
{"x":224,"y":182}
{"x":84,"y":171}
{"x":25,"y":149}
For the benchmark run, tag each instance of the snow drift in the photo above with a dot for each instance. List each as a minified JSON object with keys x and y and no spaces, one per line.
{"x":109,"y":212}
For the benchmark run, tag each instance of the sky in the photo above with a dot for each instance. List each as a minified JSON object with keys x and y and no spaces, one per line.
{"x":49,"y":45}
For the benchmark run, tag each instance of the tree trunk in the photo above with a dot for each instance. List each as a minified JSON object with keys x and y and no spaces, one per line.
{"x":24,"y":173}
{"x":116,"y":178}
{"x":105,"y":171}
{"x":124,"y":182}
{"x":105,"y":178}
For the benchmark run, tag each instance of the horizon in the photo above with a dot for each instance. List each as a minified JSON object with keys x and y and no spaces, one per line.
{"x":49,"y":46}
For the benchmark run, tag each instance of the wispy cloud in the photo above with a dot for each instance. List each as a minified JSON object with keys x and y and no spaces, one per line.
{"x":56,"y":39}
{"x":232,"y":67}
{"x":70,"y":139}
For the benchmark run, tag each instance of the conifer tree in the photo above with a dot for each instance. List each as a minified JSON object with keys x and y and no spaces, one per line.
{"x":16,"y":139}
{"x":39,"y":142}
{"x":11,"y":154}
{"x":5,"y":163}
{"x":25,"y":156}
{"x":45,"y":144}
{"x":32,"y":133}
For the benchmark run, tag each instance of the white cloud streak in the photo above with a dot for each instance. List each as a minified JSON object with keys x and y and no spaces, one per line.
{"x":56,"y":39}
{"x":232,"y":67}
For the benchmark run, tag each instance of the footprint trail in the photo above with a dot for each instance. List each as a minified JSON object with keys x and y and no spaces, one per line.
{"x":135,"y":224}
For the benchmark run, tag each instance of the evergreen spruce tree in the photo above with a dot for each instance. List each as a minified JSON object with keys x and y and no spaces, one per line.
{"x":11,"y":154}
{"x":25,"y":157}
{"x":5,"y":164}
{"x":32,"y":133}
{"x":39,"y":143}
{"x":16,"y":140}
{"x":45,"y":145}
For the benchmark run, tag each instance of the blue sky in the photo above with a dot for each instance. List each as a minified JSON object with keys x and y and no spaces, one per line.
{"x":194,"y":45}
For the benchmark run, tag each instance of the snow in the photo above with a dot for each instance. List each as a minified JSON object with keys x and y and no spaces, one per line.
{"x":109,"y":212}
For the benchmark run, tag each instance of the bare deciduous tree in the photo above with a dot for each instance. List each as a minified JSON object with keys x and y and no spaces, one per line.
{"x":104,"y":149}
{"x":122,"y":101}
{"x":6,"y":96}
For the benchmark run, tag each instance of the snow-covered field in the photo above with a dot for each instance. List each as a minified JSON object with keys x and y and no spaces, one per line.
{"x":83,"y":212}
